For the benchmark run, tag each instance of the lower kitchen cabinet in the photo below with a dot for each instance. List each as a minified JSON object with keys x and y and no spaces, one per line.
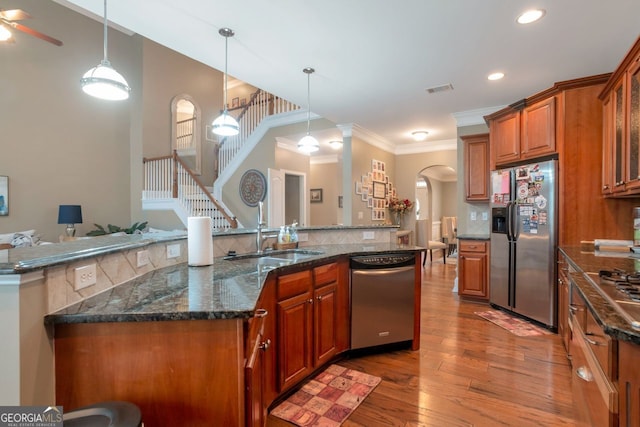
{"x":563,"y":301}
{"x":473,"y":269}
{"x":629,"y":384}
{"x":312,"y":320}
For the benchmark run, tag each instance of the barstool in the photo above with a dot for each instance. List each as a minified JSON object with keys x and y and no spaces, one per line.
{"x":104,"y":414}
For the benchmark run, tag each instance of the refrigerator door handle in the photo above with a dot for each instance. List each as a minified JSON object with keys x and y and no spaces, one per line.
{"x":508,"y":222}
{"x":515,"y":221}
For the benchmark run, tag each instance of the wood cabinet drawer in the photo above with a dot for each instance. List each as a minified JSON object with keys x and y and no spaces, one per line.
{"x":294,"y":284}
{"x":602,"y":346}
{"x":324,"y":274}
{"x":472,"y":246}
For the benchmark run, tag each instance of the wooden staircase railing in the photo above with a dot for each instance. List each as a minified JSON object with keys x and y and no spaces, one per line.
{"x":168,"y":177}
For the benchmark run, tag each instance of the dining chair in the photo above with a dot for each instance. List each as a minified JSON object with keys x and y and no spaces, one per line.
{"x":425,"y":240}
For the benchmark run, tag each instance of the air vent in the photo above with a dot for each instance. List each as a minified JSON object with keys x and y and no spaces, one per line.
{"x":441,"y":88}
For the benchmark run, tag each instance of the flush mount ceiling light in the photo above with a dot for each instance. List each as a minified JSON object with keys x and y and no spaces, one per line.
{"x":336,"y":145}
{"x":103,"y":81}
{"x":420,"y":135}
{"x":530,"y":16}
{"x":225,"y":124}
{"x":495,"y":76}
{"x":308,"y":144}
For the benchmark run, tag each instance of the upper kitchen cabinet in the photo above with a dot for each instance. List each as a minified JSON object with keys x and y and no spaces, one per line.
{"x":476,"y":167}
{"x":621,"y":128}
{"x":523,"y":131}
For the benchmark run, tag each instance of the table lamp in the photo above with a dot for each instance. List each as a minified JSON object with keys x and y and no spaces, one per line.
{"x":70,"y":215}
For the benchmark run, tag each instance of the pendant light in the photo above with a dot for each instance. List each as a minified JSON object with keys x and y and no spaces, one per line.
{"x":308,"y":144}
{"x":103,"y":81}
{"x":225,"y":124}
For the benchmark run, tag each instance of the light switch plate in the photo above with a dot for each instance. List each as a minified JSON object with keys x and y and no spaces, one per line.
{"x":84,"y":276}
{"x":485,"y":216}
{"x":473,"y":216}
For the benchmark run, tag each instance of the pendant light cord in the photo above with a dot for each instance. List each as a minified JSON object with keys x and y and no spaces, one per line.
{"x":226,"y":42}
{"x":105,"y":32}
{"x":308,"y":102}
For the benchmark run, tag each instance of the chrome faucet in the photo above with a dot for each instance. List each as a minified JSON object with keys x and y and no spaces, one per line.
{"x":260,"y":238}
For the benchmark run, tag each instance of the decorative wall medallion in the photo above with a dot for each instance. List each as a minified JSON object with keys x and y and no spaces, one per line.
{"x":253,"y":187}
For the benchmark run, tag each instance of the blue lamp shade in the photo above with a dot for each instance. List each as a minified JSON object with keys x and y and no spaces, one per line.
{"x":70,"y":214}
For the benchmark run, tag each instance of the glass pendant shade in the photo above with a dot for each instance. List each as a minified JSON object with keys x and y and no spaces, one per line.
{"x":104,"y":82}
{"x":225,"y":125}
{"x":308,"y":144}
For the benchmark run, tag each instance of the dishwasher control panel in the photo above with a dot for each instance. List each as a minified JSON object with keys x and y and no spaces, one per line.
{"x":382,"y":261}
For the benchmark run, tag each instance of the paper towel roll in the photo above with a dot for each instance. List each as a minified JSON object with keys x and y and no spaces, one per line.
{"x":199,"y":241}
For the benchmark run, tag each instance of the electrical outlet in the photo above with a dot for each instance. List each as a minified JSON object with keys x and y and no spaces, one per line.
{"x":368,"y":235}
{"x":142,"y":258}
{"x":473,"y":215}
{"x":173,"y":251}
{"x":485,"y":216}
{"x":84,"y":276}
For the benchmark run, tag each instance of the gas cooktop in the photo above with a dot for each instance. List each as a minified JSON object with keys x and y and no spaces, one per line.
{"x":622,"y":290}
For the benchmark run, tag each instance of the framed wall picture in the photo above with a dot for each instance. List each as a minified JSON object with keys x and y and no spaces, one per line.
{"x":235,"y":102}
{"x":316,"y":195}
{"x":4,"y":195}
{"x":379,"y":189}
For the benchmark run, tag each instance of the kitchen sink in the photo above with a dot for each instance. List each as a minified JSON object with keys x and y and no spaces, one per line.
{"x":276,"y":257}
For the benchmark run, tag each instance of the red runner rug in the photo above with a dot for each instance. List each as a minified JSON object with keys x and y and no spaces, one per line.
{"x":328,"y":399}
{"x":513,"y":324}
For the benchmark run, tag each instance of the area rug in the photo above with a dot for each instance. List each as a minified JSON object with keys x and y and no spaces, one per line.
{"x":328,"y":399}
{"x":515,"y":325}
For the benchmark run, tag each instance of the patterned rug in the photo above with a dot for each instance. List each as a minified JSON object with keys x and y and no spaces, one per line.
{"x":515,"y":325}
{"x":328,"y":399}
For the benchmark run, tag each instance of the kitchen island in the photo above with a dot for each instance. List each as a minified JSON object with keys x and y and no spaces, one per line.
{"x":212,"y":345}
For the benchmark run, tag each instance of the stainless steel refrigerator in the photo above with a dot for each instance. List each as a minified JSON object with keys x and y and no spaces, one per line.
{"x":524,"y":206}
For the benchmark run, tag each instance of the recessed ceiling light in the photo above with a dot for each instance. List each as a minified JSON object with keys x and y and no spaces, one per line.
{"x":531,"y":16}
{"x":336,"y":145}
{"x":495,"y":76}
{"x":420,"y":135}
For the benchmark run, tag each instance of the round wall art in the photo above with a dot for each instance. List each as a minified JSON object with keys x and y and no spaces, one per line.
{"x":253,"y":187}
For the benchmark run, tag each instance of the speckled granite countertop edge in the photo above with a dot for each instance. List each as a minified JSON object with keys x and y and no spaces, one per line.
{"x":605,"y":314}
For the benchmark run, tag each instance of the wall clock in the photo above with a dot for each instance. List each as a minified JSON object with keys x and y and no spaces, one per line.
{"x":253,"y":187}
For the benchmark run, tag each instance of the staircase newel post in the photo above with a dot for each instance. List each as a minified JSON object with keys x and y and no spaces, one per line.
{"x":175,"y":174}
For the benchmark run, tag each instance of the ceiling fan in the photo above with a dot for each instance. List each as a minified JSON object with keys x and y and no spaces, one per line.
{"x":7,"y":20}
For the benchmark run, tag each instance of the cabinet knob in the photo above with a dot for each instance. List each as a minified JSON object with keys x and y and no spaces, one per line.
{"x":261,"y":312}
{"x":605,"y":187}
{"x":319,"y":297}
{"x":264,"y":345}
{"x":583,"y":373}
{"x":310,"y":300}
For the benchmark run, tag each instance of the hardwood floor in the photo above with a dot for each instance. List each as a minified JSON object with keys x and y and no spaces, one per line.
{"x":468,"y":371}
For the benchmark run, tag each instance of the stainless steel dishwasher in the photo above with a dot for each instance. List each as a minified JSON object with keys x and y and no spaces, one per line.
{"x":382,"y":299}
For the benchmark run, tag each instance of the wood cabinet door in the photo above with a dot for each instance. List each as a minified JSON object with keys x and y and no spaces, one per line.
{"x":505,"y":138}
{"x":255,"y":407}
{"x":325,"y":323}
{"x":563,"y":309}
{"x":538,"y":129}
{"x":295,"y":339}
{"x":633,"y":127}
{"x":629,"y":384}
{"x":619,"y":147}
{"x":472,"y":279}
{"x":608,"y":134}
{"x":476,"y":167}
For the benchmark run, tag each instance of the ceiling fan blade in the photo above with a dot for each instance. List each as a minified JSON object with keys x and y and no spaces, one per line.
{"x":14,"y":15}
{"x":35,"y":33}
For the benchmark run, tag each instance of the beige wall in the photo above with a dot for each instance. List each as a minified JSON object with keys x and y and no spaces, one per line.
{"x":328,"y":177}
{"x":60,"y":146}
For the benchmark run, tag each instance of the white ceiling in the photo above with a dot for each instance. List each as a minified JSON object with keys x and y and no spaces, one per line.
{"x":375,"y":58}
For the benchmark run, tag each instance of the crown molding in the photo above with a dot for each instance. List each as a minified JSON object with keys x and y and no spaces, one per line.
{"x":371,"y":138}
{"x":427,"y":146}
{"x":474,"y":117}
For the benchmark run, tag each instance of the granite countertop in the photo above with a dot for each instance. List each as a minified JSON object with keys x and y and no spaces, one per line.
{"x":605,"y":314}
{"x":227,"y":289}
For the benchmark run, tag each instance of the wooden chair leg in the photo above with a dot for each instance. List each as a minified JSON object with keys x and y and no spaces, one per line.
{"x":424,"y":260}
{"x":444,"y":256}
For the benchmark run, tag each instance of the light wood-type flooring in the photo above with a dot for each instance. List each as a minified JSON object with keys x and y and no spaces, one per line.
{"x":468,"y":371}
